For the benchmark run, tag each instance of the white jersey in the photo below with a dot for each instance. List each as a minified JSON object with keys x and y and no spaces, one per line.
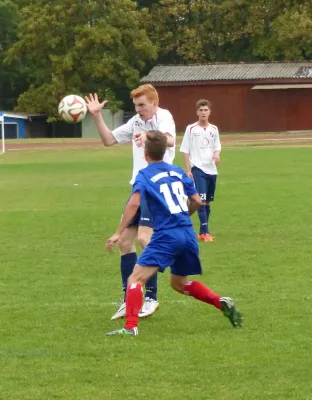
{"x":200,"y":143}
{"x":162,"y":121}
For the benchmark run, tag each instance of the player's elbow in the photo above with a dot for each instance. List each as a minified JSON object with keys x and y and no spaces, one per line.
{"x":134,"y":203}
{"x":170,"y":140}
{"x":109,"y":142}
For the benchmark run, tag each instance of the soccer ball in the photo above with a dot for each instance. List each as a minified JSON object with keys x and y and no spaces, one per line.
{"x":72,"y":108}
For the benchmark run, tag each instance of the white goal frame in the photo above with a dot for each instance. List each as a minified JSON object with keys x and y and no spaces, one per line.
{"x":2,"y":132}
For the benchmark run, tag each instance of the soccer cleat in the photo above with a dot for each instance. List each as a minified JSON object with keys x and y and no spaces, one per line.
{"x":121,"y":312}
{"x":206,"y":237}
{"x":123,"y":332}
{"x":149,"y":307}
{"x":230,"y":311}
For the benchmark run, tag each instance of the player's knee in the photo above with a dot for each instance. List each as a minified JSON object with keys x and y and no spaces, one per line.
{"x":125,"y":246}
{"x":143,"y":240}
{"x":136,"y":277}
{"x":177,"y":286}
{"x":144,"y":235}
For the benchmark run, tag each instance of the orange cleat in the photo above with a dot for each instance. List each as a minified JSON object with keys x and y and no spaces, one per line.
{"x":206,"y":237}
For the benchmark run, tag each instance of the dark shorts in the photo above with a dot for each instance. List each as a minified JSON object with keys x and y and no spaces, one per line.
{"x":143,"y":217}
{"x":177,"y":248}
{"x":205,"y":184}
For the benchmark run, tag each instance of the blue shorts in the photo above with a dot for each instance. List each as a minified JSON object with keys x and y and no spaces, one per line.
{"x":177,"y":248}
{"x":205,"y":184}
{"x":143,"y":217}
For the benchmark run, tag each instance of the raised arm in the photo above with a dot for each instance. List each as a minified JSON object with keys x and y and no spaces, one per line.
{"x":95,"y":108}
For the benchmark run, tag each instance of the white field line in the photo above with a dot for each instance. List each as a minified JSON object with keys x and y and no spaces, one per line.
{"x":270,"y":140}
{"x":100,"y":304}
{"x":35,"y":147}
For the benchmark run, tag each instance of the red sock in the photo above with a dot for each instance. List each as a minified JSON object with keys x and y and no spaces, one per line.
{"x":134,"y":301}
{"x":203,"y":293}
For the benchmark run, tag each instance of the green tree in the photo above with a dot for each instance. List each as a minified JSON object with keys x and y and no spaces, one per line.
{"x":286,"y":31}
{"x":146,"y":3}
{"x":195,"y":31}
{"x":79,"y":47}
{"x":12,"y":80}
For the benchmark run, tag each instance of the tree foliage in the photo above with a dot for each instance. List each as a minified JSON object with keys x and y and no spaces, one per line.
{"x":286,"y":32}
{"x":57,"y":47}
{"x":12,"y":80}
{"x":78,"y":47}
{"x":195,"y":31}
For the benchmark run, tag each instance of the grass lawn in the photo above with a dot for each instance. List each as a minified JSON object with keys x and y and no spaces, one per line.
{"x":59,"y":288}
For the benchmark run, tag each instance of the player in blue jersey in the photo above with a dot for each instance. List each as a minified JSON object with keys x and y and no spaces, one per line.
{"x":171,"y":197}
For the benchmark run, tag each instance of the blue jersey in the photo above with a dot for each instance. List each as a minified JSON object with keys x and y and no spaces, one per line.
{"x":165,"y":189}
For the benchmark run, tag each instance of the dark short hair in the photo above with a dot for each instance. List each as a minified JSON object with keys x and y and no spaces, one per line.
{"x":203,"y":103}
{"x":156,"y":144}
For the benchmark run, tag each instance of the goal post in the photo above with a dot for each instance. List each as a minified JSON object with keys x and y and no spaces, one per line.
{"x":2,"y":133}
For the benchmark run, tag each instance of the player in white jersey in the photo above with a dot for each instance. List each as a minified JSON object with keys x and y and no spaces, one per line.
{"x":201,"y":147}
{"x":149,"y":117}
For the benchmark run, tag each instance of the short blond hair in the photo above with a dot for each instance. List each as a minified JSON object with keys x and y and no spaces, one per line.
{"x":145,"y":90}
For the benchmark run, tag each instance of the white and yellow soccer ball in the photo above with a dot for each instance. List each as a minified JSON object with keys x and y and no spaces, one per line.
{"x":72,"y":108}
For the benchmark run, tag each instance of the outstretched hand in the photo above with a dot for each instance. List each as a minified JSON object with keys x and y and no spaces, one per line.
{"x":112,"y":241}
{"x":93,"y":104}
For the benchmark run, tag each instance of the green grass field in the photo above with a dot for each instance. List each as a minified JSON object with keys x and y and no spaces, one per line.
{"x":59,"y":288}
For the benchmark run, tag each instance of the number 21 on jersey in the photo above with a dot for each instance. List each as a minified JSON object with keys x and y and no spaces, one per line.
{"x":177,"y":189}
